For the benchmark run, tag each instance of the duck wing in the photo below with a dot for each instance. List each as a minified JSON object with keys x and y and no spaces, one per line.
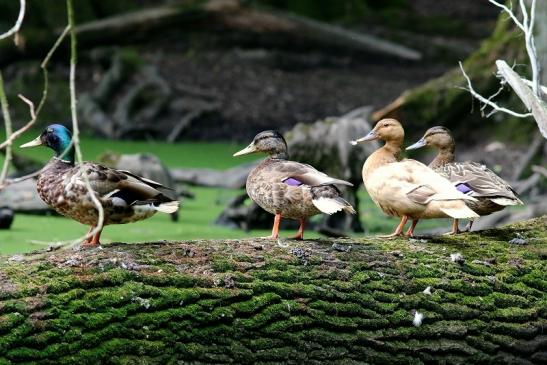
{"x":132,"y":189}
{"x":296,"y":173}
{"x":479,"y":181}
{"x":424,"y":185}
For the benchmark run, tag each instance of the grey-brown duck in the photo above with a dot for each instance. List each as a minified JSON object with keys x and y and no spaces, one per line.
{"x":290,"y":189}
{"x":492,"y":193}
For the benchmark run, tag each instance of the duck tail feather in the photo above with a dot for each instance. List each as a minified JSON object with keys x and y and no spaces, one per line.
{"x":168,"y":207}
{"x":462,"y":212}
{"x":332,"y":205}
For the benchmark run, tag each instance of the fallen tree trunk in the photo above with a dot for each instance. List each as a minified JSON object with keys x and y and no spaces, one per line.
{"x":210,"y":15}
{"x":256,"y":301}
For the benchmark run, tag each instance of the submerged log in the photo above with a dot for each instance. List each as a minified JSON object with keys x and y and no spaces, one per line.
{"x":255,"y":301}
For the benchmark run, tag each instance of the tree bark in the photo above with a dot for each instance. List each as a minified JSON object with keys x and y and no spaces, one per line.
{"x":257,"y":301}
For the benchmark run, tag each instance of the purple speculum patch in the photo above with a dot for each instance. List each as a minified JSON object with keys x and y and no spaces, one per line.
{"x":292,"y":182}
{"x":464,"y":188}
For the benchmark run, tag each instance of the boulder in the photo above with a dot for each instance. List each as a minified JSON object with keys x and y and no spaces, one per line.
{"x":6,"y":217}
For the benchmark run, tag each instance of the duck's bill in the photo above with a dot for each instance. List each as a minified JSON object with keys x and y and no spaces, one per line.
{"x":35,"y":142}
{"x":247,"y":150}
{"x":369,"y":137}
{"x":421,"y":143}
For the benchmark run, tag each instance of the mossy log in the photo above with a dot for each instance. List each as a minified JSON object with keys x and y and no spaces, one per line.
{"x":257,"y":301}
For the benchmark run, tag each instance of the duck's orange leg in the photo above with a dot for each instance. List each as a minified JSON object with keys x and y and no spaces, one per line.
{"x":410,"y":232}
{"x":89,"y":238}
{"x":275,"y":229}
{"x":300,"y":234}
{"x":93,"y":240}
{"x":398,"y":230}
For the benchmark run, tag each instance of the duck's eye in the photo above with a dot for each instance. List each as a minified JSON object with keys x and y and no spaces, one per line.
{"x":386,"y":125}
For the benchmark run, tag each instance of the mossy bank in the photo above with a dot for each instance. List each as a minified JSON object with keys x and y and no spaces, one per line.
{"x":257,"y":301}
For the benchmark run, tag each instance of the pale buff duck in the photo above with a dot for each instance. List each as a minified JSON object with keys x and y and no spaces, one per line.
{"x":491,"y":191}
{"x":290,"y":189}
{"x":408,"y":188}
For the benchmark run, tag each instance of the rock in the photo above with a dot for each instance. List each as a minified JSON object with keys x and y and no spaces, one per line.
{"x":146,"y":165}
{"x":6,"y":217}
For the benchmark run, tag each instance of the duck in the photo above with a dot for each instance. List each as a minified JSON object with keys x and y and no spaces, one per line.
{"x":491,"y":192}
{"x":290,"y":189}
{"x":124,"y":197}
{"x":407,"y":188}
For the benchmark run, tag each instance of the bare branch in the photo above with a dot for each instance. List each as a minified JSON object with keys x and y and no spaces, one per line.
{"x":489,"y":102}
{"x":18,"y":22}
{"x":510,"y":13}
{"x":529,"y":83}
{"x":7,"y":122}
{"x":20,"y":179}
{"x":15,"y":135}
{"x":529,"y":99}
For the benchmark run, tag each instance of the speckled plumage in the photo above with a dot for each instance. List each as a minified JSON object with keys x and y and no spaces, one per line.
{"x":61,"y":186}
{"x":124,"y":197}
{"x":290,"y":189}
{"x":265,"y":187}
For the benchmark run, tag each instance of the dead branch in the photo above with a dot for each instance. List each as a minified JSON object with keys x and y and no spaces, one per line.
{"x":7,"y":122}
{"x":532,"y":98}
{"x":18,"y":22}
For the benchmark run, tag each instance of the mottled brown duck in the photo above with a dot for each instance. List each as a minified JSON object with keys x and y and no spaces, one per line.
{"x":290,"y":189}
{"x":407,"y":188}
{"x":492,"y":193}
{"x":124,"y":197}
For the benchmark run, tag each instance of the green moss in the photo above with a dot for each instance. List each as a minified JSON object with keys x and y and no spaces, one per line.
{"x":227,"y":305}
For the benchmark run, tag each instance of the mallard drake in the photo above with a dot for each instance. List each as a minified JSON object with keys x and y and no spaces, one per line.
{"x":125,"y":197}
{"x":407,"y":188}
{"x":471,"y":178}
{"x":290,"y":189}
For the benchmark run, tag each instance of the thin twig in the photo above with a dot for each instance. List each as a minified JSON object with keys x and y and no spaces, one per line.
{"x":510,"y":13}
{"x":18,"y":22}
{"x":16,"y":134}
{"x":7,"y":122}
{"x":75,"y":128}
{"x":20,"y":179}
{"x":489,"y":102}
{"x":34,"y":113}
